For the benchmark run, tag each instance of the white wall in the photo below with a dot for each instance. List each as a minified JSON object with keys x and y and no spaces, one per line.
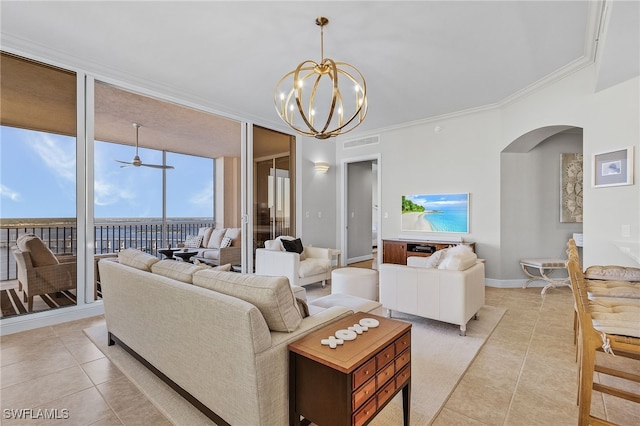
{"x":613,"y":123}
{"x":316,"y":195}
{"x":530,"y":203}
{"x":464,"y":156}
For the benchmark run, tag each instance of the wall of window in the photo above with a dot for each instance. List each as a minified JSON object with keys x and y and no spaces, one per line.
{"x":38,"y":180}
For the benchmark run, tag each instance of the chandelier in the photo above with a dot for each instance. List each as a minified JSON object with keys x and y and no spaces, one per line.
{"x":322,"y":107}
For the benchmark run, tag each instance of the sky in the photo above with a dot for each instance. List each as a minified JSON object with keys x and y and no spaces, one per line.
{"x":38,"y":179}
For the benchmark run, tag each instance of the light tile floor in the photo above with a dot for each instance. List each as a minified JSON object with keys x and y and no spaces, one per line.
{"x":525,"y":374}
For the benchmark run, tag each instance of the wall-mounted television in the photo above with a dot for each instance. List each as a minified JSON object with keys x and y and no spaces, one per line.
{"x":435,"y":213}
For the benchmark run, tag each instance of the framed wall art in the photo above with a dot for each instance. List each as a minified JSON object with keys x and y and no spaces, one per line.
{"x":571,"y":188}
{"x":613,"y":168}
{"x":436,"y":213}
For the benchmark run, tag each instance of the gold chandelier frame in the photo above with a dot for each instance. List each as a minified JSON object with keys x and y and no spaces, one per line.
{"x":291,"y":100}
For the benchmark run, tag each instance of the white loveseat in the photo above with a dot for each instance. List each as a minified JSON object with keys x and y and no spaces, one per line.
{"x":450,"y":295}
{"x":222,"y":337}
{"x":311,"y":266}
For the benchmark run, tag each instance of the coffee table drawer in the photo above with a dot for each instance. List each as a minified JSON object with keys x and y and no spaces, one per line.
{"x":386,"y":356}
{"x":364,"y":393}
{"x":361,"y":416}
{"x":403,"y":359}
{"x":386,"y":392}
{"x":364,"y":373}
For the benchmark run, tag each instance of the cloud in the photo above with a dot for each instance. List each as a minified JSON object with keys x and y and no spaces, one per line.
{"x":6,"y":192}
{"x":204,"y":196}
{"x":105,"y":193}
{"x":57,"y":153}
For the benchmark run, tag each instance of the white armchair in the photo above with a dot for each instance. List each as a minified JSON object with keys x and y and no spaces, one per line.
{"x":274,"y":260}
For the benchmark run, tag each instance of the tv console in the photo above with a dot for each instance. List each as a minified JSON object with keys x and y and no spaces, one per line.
{"x":397,"y":251}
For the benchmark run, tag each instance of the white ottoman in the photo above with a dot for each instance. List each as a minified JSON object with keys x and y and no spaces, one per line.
{"x":359,"y":282}
{"x":356,"y":304}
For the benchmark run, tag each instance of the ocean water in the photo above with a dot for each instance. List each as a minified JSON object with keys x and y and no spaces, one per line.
{"x":454,"y":220}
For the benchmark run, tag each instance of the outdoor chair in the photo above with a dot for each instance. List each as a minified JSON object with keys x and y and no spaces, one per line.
{"x":40,"y":271}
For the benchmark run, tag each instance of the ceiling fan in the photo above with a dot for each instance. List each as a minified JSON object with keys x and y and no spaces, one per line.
{"x":136,"y":162}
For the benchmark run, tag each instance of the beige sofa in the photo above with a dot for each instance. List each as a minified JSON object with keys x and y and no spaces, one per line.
{"x":452,"y":294}
{"x":220,"y":336}
{"x":211,"y":249}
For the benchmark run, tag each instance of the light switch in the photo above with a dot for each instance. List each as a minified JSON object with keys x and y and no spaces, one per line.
{"x":306,"y":215}
{"x":319,"y":215}
{"x":625,"y":230}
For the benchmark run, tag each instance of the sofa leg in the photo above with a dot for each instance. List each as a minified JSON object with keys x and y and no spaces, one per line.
{"x":324,"y":283}
{"x":475,"y":317}
{"x":110,"y":341}
{"x":463,"y":330}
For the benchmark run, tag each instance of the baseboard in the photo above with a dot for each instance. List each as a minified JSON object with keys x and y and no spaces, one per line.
{"x":359,"y":258}
{"x":52,"y":317}
{"x":491,"y":282}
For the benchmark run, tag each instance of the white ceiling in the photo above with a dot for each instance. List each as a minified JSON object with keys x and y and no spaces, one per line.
{"x":421,"y":59}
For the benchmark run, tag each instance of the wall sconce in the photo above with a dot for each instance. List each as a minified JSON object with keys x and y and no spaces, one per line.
{"x":321,"y":167}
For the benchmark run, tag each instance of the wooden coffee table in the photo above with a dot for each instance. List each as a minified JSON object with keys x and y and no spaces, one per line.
{"x":350,"y":384}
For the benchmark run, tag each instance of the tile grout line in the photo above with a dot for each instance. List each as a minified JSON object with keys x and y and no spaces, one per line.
{"x":524,"y":361}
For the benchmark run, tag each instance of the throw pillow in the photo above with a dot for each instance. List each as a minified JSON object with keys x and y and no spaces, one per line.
{"x":234,"y":234}
{"x":41,"y":255}
{"x":302,"y":307}
{"x":458,"y":258}
{"x":293,"y":245}
{"x":273,"y":296}
{"x":181,"y":271}
{"x":206,"y":235}
{"x":226,"y":242}
{"x":193,"y":241}
{"x":137,"y":259}
{"x":216,"y":238}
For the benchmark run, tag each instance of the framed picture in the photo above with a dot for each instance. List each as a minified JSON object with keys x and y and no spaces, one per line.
{"x":436,"y":213}
{"x":613,"y":168}
{"x":571,"y":188}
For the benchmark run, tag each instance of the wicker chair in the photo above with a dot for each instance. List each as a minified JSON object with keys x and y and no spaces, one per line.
{"x":608,"y":326}
{"x":40,"y":271}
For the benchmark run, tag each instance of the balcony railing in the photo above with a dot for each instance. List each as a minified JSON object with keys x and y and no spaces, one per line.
{"x":109,"y":236}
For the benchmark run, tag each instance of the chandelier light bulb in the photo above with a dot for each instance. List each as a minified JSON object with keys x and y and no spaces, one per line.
{"x":322,"y":98}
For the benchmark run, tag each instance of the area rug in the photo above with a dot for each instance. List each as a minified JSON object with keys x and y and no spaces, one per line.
{"x":11,"y":301}
{"x":439,"y":359}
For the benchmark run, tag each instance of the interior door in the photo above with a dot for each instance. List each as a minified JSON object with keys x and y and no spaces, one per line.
{"x":359,"y":208}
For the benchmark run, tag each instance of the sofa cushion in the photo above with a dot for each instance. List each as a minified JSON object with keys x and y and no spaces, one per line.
{"x":193,"y":241}
{"x":234,"y":234}
{"x":612,"y":272}
{"x":271,"y":295}
{"x":216,"y":238}
{"x":41,"y":255}
{"x":206,"y":235}
{"x":181,"y":271}
{"x":313,"y":266}
{"x":137,"y":259}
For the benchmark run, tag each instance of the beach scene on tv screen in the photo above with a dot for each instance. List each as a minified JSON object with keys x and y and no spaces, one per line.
{"x":435,"y":213}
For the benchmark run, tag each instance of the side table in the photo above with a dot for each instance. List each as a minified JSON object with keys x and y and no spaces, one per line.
{"x":351,"y":384}
{"x":337,"y":253}
{"x":545,"y":267}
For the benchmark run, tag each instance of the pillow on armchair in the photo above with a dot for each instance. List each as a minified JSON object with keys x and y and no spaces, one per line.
{"x":458,"y":258}
{"x":41,"y":255}
{"x":294,"y":246}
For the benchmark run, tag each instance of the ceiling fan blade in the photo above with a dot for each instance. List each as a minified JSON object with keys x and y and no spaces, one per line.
{"x":157,"y":166}
{"x":123,"y":162}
